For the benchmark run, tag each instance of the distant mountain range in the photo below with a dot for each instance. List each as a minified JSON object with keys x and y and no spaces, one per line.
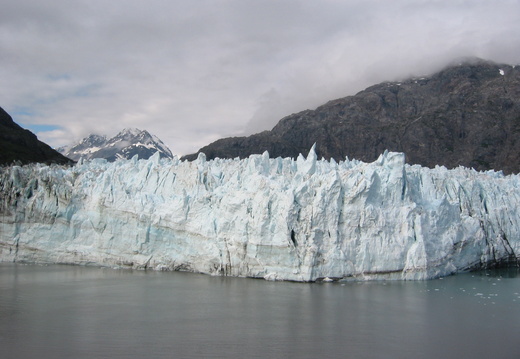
{"x":22,"y":146}
{"x":126,"y":144}
{"x":467,"y":114}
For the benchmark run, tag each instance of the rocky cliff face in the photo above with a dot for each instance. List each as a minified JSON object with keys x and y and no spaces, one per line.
{"x":17,"y":144}
{"x":467,"y":114}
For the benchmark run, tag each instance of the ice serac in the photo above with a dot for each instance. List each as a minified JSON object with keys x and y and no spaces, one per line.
{"x":282,"y":219}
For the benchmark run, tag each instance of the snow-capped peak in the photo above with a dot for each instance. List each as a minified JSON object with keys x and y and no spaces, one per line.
{"x":126,"y":144}
{"x":131,"y":132}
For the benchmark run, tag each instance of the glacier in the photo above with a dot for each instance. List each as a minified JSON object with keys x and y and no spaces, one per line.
{"x":273,"y":218}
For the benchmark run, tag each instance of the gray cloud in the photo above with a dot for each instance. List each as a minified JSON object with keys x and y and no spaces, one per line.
{"x":192,"y":72}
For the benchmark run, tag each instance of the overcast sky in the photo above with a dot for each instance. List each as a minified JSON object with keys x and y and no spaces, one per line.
{"x":191,"y":72}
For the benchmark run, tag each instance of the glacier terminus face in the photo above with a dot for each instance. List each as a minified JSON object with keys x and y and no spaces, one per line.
{"x":278,"y":219}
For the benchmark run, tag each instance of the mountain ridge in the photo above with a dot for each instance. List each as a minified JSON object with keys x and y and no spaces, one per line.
{"x":22,"y":146}
{"x":126,"y":144}
{"x":466,"y":114}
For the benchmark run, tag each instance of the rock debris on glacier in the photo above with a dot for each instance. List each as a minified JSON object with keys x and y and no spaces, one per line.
{"x":280,"y":219}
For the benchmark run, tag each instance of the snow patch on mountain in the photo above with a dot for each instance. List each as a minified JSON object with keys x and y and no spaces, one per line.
{"x":280,"y":219}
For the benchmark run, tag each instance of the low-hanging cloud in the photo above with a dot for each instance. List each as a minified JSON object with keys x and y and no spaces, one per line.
{"x":192,"y":72}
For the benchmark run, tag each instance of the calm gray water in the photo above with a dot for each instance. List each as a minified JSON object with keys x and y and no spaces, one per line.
{"x":83,"y":312}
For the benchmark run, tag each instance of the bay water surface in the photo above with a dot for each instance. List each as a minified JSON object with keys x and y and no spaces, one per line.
{"x":62,"y":311}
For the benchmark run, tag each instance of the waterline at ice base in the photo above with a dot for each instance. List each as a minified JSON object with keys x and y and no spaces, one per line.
{"x":278,"y":219}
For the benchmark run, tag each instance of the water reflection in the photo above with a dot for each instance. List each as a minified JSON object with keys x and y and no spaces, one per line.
{"x":59,"y":311}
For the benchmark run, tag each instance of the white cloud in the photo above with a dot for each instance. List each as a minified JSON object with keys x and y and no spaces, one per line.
{"x":192,"y":72}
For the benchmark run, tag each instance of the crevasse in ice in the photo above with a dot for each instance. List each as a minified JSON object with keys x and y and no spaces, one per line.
{"x":280,"y":219}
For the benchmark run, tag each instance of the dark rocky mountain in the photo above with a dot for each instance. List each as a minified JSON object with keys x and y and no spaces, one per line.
{"x":22,"y":146}
{"x":467,"y":114}
{"x":126,"y":144}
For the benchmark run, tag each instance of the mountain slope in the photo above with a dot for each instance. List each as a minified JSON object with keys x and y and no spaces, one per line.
{"x":125,"y":144}
{"x":467,"y":114}
{"x":17,"y":144}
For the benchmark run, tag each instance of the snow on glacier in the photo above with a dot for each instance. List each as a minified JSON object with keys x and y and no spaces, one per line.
{"x":281,"y":219}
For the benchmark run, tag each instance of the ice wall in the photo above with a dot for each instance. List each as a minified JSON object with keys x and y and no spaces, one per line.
{"x":260,"y":217}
